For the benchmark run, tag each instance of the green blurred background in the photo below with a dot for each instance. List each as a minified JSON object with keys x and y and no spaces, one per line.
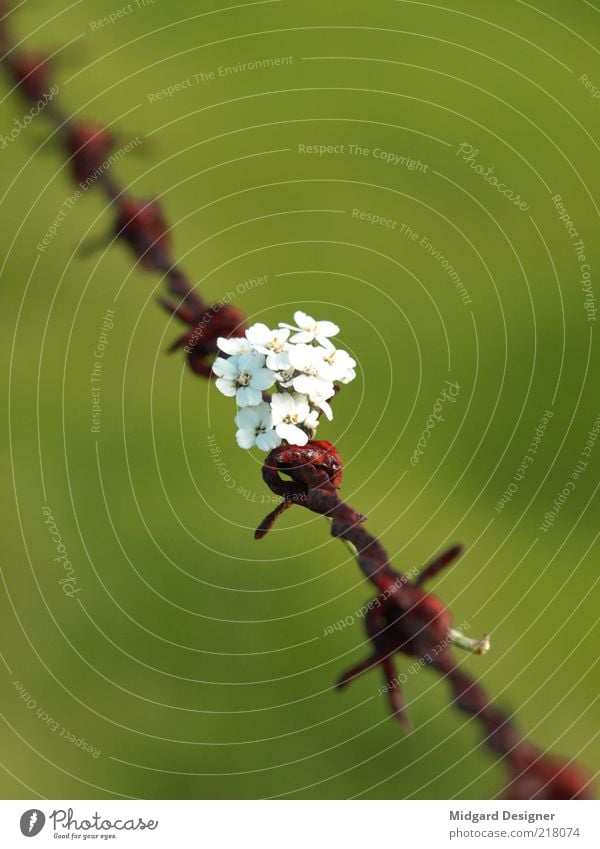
{"x":194,"y":660}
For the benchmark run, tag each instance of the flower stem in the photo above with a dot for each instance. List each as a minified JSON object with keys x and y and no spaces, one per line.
{"x":479,"y":647}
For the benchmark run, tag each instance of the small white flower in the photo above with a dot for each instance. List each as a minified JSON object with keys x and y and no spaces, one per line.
{"x":303,"y":365}
{"x":289,"y":413}
{"x":256,"y":428}
{"x":314,"y":378}
{"x":323,"y":405}
{"x":234,"y":346}
{"x":244,"y":377}
{"x":340,"y":365}
{"x":310,"y":330}
{"x":267,"y":341}
{"x":312,"y":421}
{"x":280,"y":363}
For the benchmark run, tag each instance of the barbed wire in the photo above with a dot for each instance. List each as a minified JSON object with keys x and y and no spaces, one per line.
{"x":402,"y":618}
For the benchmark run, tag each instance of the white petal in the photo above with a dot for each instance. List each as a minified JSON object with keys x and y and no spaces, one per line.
{"x":245,"y":438}
{"x":251,"y":362}
{"x":327,"y":328}
{"x":304,"y":384}
{"x":327,"y":372}
{"x":324,"y":406}
{"x":258,"y":334}
{"x":264,"y":378}
{"x":248,"y":418}
{"x":264,"y":415}
{"x":303,"y":320}
{"x":248,"y":397}
{"x":233,"y":346}
{"x":323,"y":388}
{"x":225,"y":368}
{"x":279,"y":361}
{"x":227,"y":387}
{"x":301,"y":407}
{"x":292,"y":434}
{"x":302,"y":357}
{"x":312,"y":420}
{"x":268,"y":440}
{"x":338,"y":364}
{"x":344,"y":359}
{"x":282,"y":405}
{"x":302,"y":338}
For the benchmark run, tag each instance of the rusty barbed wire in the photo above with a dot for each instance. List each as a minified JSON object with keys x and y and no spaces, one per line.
{"x":403,"y":618}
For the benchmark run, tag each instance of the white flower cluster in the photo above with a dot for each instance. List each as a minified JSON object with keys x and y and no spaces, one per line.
{"x":302,"y":365}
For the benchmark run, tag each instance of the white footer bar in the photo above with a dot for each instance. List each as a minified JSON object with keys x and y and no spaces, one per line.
{"x":299,"y":824}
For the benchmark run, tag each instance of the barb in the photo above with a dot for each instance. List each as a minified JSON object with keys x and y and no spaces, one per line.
{"x":404,"y":618}
{"x":139,"y":224}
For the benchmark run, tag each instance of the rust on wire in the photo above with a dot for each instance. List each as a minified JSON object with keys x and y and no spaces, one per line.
{"x":403,"y":618}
